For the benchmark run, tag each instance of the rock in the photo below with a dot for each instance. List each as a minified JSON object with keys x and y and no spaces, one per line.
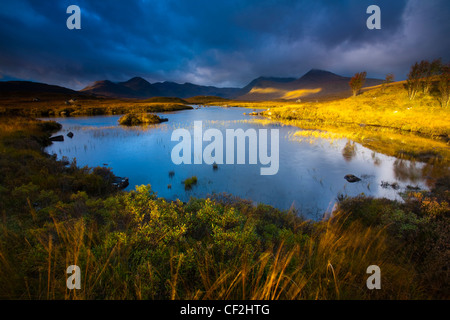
{"x":386,"y":185}
{"x":70,"y":135}
{"x":120,"y":182}
{"x":351,"y":178}
{"x":57,"y":138}
{"x":416,"y":188}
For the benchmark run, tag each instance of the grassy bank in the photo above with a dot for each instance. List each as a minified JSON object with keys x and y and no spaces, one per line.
{"x":384,"y":120}
{"x":134,"y":245}
{"x":390,"y":109}
{"x":81,"y":105}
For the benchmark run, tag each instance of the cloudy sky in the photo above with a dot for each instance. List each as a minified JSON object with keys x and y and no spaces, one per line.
{"x":216,"y":42}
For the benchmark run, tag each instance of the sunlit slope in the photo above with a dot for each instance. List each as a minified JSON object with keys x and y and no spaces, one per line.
{"x":375,"y":107}
{"x":315,"y":84}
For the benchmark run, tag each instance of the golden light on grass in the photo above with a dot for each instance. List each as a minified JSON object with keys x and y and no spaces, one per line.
{"x":266,"y":90}
{"x":295,"y":94}
{"x":275,"y":93}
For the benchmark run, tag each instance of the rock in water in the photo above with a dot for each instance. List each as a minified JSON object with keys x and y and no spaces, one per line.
{"x":57,"y":138}
{"x":351,"y":178}
{"x":70,"y":135}
{"x":120,"y":182}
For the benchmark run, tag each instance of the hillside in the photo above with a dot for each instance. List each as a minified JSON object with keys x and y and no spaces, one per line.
{"x":109,"y":89}
{"x":23,"y":89}
{"x":315,"y":84}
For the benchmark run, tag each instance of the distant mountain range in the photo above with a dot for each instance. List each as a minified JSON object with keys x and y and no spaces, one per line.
{"x":314,"y":84}
{"x":140,"y":88}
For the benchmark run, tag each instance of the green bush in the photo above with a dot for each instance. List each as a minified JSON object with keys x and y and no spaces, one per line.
{"x":133,"y":119}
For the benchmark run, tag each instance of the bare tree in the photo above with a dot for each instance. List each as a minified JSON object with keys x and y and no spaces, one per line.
{"x":357,"y":82}
{"x":444,"y":85}
{"x":413,"y":82}
{"x":389,"y":78}
{"x":429,"y":70}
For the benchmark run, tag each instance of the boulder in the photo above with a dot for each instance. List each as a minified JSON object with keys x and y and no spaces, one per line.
{"x":351,"y":178}
{"x":57,"y":138}
{"x":70,"y":135}
{"x":120,"y":182}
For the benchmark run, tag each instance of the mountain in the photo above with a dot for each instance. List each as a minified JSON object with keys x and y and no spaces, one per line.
{"x":29,"y":88}
{"x":109,"y":89}
{"x":140,"y":88}
{"x":312,"y":85}
{"x":187,"y":90}
{"x":263,"y":82}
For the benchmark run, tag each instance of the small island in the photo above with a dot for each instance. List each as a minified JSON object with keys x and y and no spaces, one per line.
{"x":134,"y":119}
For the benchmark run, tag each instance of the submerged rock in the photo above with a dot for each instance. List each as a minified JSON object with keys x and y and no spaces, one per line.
{"x":351,"y":178}
{"x":120,"y":182}
{"x":386,"y":185}
{"x":57,"y":138}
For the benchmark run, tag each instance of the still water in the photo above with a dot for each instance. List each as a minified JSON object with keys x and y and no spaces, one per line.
{"x":309,"y":179}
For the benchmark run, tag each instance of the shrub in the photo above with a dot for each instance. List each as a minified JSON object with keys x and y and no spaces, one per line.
{"x":133,"y":119}
{"x":357,"y":82}
{"x":188,"y":183}
{"x":444,"y":86}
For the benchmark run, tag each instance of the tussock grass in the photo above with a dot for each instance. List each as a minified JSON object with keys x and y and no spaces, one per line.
{"x":133,"y":119}
{"x":134,"y":245}
{"x":189,"y":182}
{"x":383,"y":119}
{"x":85,"y":105}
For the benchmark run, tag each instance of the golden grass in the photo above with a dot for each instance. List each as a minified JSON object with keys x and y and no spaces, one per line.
{"x":391,"y":108}
{"x":382,"y":119}
{"x":57,"y":106}
{"x":331,"y":264}
{"x":295,"y":94}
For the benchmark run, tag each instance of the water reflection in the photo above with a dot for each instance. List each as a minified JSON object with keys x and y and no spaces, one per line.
{"x":376,"y":160}
{"x":349,"y":151}
{"x":310,"y":176}
{"x":407,"y":170}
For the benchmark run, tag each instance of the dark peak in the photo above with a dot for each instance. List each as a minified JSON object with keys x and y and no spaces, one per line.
{"x":99,"y":83}
{"x":275,"y":79}
{"x":315,"y":74}
{"x":259,"y":81}
{"x":135,"y":80}
{"x":103,"y":81}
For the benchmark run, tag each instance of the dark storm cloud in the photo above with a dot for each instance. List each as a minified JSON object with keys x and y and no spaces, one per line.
{"x":216,"y":42}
